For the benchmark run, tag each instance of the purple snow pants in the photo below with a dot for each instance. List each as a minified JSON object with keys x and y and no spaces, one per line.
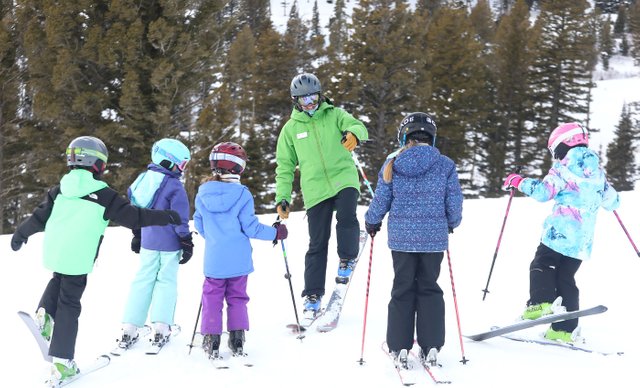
{"x":214,"y":293}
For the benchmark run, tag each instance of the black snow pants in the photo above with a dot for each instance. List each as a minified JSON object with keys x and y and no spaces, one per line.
{"x":552,"y":274}
{"x":319,"y":219}
{"x":417,"y":301}
{"x":61,"y":299}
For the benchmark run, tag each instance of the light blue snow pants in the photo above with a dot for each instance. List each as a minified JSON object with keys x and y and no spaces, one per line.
{"x":155,"y":286}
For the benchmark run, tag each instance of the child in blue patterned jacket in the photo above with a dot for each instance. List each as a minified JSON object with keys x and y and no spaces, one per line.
{"x":419,"y":188}
{"x":579,"y":186}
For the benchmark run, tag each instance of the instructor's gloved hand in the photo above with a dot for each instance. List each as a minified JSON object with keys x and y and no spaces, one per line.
{"x":135,"y":241}
{"x":512,"y":181}
{"x":372,"y":229}
{"x":349,"y":141}
{"x":17,"y":240}
{"x":281,"y":231}
{"x":186,"y":243}
{"x":283,"y":209}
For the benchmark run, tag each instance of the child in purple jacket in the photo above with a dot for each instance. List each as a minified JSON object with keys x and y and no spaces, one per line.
{"x":225,"y":217}
{"x":161,"y":248}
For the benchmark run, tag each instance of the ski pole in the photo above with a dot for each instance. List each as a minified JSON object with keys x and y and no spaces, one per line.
{"x":195,"y":326}
{"x":627,"y":233}
{"x":495,"y":255}
{"x":364,"y":176}
{"x":366,"y":303}
{"x":455,"y":303}
{"x":288,"y":277}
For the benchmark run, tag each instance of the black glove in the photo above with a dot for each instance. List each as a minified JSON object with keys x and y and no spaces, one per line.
{"x":135,"y":241}
{"x":17,"y":240}
{"x":186,"y":243}
{"x":450,"y":230}
{"x":281,"y":231}
{"x":372,"y":229}
{"x":174,"y":217}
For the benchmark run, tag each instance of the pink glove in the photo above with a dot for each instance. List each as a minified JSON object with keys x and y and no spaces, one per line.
{"x":512,"y":182}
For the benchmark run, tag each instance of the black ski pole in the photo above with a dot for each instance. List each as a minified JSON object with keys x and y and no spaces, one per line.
{"x":288,"y":277}
{"x":195,"y":326}
{"x":504,"y":222}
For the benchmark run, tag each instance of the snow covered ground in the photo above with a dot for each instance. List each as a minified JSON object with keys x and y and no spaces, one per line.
{"x":330,"y":359}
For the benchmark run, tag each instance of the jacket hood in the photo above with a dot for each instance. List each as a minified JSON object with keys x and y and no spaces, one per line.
{"x":581,"y":162}
{"x":79,"y":182}
{"x":219,"y":197}
{"x":416,"y":160}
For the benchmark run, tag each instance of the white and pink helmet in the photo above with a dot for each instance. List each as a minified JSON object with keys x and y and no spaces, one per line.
{"x":571,"y":134}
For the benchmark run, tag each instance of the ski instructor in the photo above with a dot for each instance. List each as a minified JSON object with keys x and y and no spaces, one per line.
{"x":318,"y":139}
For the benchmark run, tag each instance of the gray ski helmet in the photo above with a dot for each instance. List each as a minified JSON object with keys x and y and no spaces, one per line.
{"x":305,"y":84}
{"x":87,"y":151}
{"x":414,"y":122}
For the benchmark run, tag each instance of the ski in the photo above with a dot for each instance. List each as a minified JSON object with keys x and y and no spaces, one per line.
{"x":123,"y":347}
{"x":427,"y":368}
{"x":43,"y":344}
{"x":540,"y":340}
{"x":84,"y":370}
{"x":156,"y":345}
{"x":329,"y":320}
{"x":407,"y":371}
{"x":525,"y":324}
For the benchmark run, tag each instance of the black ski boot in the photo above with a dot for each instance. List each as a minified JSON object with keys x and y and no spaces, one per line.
{"x":236,"y":342}
{"x":211,"y":345}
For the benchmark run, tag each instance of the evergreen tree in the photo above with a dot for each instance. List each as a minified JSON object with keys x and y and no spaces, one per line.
{"x":619,"y":27}
{"x":338,"y":33}
{"x":456,"y":73}
{"x":383,"y":61}
{"x":11,"y":151}
{"x":561,"y":71}
{"x":295,"y":39}
{"x":508,"y":143}
{"x":316,"y":38}
{"x":622,"y":168}
{"x":127,"y":72}
{"x":634,"y":29}
{"x":482,"y":21}
{"x":255,"y":14}
{"x":274,"y":71}
{"x":606,"y":43}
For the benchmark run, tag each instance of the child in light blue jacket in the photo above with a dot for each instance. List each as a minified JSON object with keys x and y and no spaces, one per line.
{"x":225,"y":217}
{"x":578,"y":184}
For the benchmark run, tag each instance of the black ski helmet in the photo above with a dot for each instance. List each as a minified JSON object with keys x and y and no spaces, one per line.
{"x":415,"y":122}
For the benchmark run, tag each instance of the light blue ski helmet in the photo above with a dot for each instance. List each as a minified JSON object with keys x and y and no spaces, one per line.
{"x":170,"y":152}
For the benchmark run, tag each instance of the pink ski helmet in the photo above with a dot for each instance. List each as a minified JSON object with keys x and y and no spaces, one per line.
{"x":570,"y":134}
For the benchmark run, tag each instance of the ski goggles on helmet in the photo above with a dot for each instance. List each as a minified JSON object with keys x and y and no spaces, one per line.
{"x":180,"y":164}
{"x":79,"y":152}
{"x":309,"y":100}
